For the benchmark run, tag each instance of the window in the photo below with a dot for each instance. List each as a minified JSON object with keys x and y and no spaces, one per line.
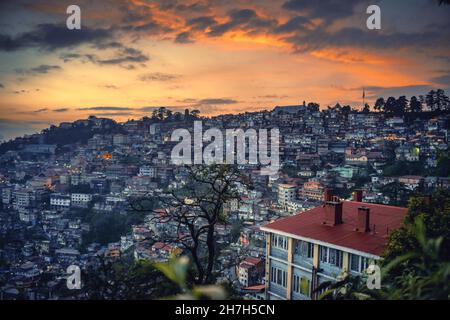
{"x":279,"y":242}
{"x":331,"y":256}
{"x":295,"y":283}
{"x":304,"y":249}
{"x":323,"y":254}
{"x":301,"y":285}
{"x":278,"y":276}
{"x":358,"y":263}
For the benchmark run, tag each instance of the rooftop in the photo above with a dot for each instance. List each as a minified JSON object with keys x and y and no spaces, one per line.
{"x":309,"y":225}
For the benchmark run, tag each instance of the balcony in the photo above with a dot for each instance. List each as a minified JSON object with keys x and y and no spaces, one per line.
{"x":278,"y":253}
{"x":277,"y":289}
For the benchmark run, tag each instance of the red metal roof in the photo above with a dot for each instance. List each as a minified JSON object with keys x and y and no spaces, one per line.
{"x":309,"y":224}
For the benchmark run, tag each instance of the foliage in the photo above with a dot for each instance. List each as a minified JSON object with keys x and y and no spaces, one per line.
{"x":401,"y":168}
{"x":436,"y":217}
{"x":397,"y":193}
{"x":176,"y":271}
{"x":119,"y":280}
{"x":443,"y":165}
{"x":422,"y":274}
{"x":108,"y":227}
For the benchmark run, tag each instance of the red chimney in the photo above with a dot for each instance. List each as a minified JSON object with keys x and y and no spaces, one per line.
{"x":333,"y":213}
{"x":328,"y":195}
{"x":358,"y":195}
{"x":363,"y":219}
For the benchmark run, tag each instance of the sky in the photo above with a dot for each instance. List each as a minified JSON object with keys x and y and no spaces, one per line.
{"x":217,"y":56}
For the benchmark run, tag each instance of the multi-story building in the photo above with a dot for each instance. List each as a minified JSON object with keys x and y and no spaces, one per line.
{"x":286,"y":194}
{"x":305,"y":250}
{"x":250,"y":271}
{"x":312,"y":190}
{"x":59,"y":202}
{"x":80,"y":199}
{"x":148,"y":171}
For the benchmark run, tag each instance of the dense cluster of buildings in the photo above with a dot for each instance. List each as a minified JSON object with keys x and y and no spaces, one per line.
{"x":294,"y":232}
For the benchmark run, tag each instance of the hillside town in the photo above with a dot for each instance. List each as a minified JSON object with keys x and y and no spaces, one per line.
{"x":69,"y":194}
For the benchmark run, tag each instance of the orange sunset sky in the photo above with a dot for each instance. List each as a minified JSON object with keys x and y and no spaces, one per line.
{"x":213,"y":55}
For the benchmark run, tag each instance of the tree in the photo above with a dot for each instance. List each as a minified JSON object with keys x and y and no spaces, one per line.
{"x":396,"y":192}
{"x":346,"y":109}
{"x":442,"y":101}
{"x":366,"y":108}
{"x":195,"y":114}
{"x":379,"y":104}
{"x":443,"y":165}
{"x":436,"y":216}
{"x":390,"y":106}
{"x":401,"y":105}
{"x":118,"y":280}
{"x":430,"y":100}
{"x":415,"y":105}
{"x":313,"y":107}
{"x":195,"y":210}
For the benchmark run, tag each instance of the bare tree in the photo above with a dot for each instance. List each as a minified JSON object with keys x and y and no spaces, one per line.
{"x":194,"y":211}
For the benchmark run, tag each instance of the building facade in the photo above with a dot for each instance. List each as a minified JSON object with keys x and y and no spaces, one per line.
{"x":319,"y":245}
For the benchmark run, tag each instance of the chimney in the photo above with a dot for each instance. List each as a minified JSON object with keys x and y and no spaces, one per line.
{"x":357,"y":195}
{"x":333,"y":213}
{"x":328,"y":195}
{"x":363,"y":219}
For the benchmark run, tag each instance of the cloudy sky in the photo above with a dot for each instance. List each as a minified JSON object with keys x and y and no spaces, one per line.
{"x":218,"y":56}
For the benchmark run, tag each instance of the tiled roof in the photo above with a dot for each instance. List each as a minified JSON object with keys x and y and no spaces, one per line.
{"x":309,"y":224}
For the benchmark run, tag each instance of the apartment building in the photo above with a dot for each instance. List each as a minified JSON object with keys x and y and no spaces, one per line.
{"x":286,"y":194}
{"x":250,"y":271}
{"x":80,"y":199}
{"x":59,"y":201}
{"x":305,"y":250}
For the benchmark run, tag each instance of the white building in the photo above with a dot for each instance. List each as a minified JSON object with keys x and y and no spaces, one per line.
{"x":286,"y":194}
{"x":148,"y":171}
{"x":59,"y":201}
{"x":80,"y":199}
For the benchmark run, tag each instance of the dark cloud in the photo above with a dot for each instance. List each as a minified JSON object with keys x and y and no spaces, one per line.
{"x":60,"y":110}
{"x":1,"y":85}
{"x":182,"y":6}
{"x":150,"y":28}
{"x":42,"y":69}
{"x":102,"y":108}
{"x":112,"y":114}
{"x":297,"y":23}
{"x":194,"y":7}
{"x":273,"y":96}
{"x":219,"y":101}
{"x":328,"y":10}
{"x":20,"y":91}
{"x":158,"y":76}
{"x":183,"y":37}
{"x":125,"y":56}
{"x":444,"y":79}
{"x":374,"y":92}
{"x":52,"y":37}
{"x":152,"y":108}
{"x":201,"y":23}
{"x":111,"y":86}
{"x":320,"y":38}
{"x":208,"y":101}
{"x":245,"y":20}
{"x":41,"y":110}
